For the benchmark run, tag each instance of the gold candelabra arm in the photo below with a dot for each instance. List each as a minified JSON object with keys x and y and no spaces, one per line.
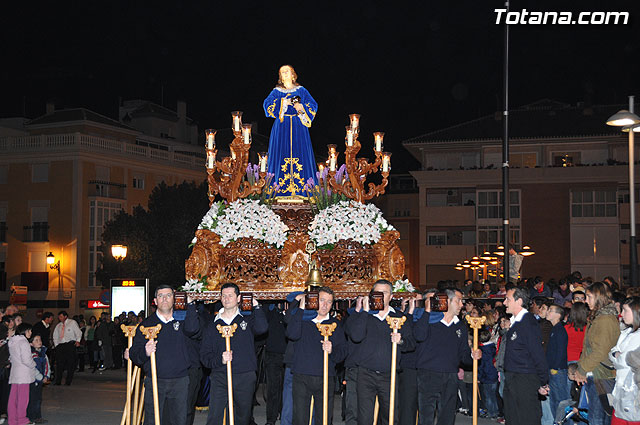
{"x":377,"y":189}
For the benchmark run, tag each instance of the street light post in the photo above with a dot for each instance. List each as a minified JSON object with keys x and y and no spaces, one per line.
{"x":628,"y":121}
{"x":55,"y":265}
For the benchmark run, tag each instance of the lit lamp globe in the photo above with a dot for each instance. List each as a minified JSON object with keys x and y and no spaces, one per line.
{"x":51,"y":258}
{"x":119,"y":252}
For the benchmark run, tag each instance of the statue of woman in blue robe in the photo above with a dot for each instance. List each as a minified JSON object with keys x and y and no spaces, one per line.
{"x":291,"y":158}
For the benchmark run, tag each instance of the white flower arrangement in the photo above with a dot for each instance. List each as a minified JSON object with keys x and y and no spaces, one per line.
{"x":348,"y":220}
{"x":403,"y":286}
{"x":245,"y":218}
{"x":194,"y":285}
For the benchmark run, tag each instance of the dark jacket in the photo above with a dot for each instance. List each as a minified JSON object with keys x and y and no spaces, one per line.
{"x":242,"y":342}
{"x":441,"y":348}
{"x":523,"y":352}
{"x":374,"y":335}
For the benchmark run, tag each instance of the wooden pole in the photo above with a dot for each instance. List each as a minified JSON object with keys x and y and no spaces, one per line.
{"x":129,"y":332}
{"x":475,"y":323}
{"x":227,"y":333}
{"x":151,"y":333}
{"x":311,"y":411}
{"x":376,"y":410}
{"x":139,"y":413}
{"x":326,"y":331}
{"x":395,"y":323}
{"x":136,"y":392}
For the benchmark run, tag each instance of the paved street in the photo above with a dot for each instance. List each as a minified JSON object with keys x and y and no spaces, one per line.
{"x":98,"y":399}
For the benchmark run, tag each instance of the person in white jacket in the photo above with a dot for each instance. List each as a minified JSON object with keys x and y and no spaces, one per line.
{"x":626,"y":404}
{"x":23,"y":371}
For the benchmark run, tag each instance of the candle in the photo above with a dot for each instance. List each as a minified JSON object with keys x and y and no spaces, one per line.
{"x":246,"y":133}
{"x":320,"y":167}
{"x":233,"y":154}
{"x":332,"y":164}
{"x":386,"y":162}
{"x":263,"y":162}
{"x":211,"y":138}
{"x":355,"y":121}
{"x":378,"y":137}
{"x":237,"y":120}
{"x":349,"y":138}
{"x":332,"y":150}
{"x":212,"y":159}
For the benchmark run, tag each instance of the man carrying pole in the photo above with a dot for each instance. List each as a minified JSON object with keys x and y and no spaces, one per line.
{"x":369,"y":328}
{"x":215,"y":355}
{"x":318,"y":344}
{"x":172,"y":359}
{"x":442,"y":346}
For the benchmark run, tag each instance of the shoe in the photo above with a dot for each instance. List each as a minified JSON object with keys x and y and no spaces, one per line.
{"x":41,"y":421}
{"x":500,"y":420}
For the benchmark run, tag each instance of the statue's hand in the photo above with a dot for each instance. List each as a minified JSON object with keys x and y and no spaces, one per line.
{"x":299,"y":107}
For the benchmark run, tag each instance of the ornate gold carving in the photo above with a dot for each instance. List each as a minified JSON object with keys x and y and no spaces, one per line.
{"x":250,"y":261}
{"x":294,"y":263}
{"x":390,"y":261}
{"x":205,"y":259}
{"x":348,"y":264}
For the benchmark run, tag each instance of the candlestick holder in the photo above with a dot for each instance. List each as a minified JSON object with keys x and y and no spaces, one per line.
{"x":358,"y":169}
{"x":226,"y":177}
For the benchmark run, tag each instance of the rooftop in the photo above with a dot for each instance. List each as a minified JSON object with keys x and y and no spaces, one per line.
{"x":74,"y":115}
{"x":545,"y":118}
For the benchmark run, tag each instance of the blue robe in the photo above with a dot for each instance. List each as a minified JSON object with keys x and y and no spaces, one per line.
{"x":291,"y":158}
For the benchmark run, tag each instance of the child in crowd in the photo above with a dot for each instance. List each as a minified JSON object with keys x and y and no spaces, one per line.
{"x":572,"y":408}
{"x":43,"y":374}
{"x":488,"y":375}
{"x":22,"y":374}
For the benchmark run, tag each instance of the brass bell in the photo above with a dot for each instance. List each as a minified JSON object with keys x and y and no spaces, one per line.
{"x":315,"y":277}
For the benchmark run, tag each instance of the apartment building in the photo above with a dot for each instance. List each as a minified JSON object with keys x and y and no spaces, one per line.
{"x":568,"y":191}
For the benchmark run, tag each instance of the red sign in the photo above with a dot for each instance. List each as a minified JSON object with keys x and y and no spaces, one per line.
{"x":96,"y":304}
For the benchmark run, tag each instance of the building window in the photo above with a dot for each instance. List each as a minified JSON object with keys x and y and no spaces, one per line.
{"x":101,"y":212}
{"x":38,"y":231}
{"x":566,"y":159}
{"x":436,"y":238}
{"x":594,"y":203}
{"x":490,"y":204}
{"x":523,"y":160}
{"x":490,"y":237}
{"x":138,"y":182}
{"x":40,"y":173}
{"x":4,"y":174}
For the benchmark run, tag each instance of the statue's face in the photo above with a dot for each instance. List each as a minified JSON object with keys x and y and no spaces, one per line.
{"x":286,"y":75}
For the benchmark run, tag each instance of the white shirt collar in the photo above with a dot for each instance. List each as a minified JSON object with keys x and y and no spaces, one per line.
{"x":386,"y":314}
{"x":46,"y":325}
{"x":318,"y":319}
{"x":228,"y":322}
{"x":453,"y":321}
{"x":518,"y":317}
{"x":162,"y":319}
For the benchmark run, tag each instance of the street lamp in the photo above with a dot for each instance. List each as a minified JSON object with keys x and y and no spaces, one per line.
{"x":55,"y":265}
{"x":119,"y":252}
{"x":628,"y":120}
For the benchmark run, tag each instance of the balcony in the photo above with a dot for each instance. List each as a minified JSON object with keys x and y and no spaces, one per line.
{"x":38,"y":232}
{"x":44,"y":144}
{"x":105,"y":189}
{"x":450,"y":216}
{"x":447,"y":254}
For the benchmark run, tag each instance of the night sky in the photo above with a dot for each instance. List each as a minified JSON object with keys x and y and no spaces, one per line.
{"x":408,"y":67}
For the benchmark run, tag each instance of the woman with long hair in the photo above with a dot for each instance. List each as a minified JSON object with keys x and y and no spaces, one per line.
{"x":625,"y":392}
{"x":594,"y":367}
{"x":575,"y":328}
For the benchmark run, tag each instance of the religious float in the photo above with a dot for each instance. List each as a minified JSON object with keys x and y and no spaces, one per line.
{"x":280,"y":227}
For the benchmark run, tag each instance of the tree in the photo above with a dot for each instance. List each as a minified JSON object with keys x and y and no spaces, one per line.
{"x":157,"y":238}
